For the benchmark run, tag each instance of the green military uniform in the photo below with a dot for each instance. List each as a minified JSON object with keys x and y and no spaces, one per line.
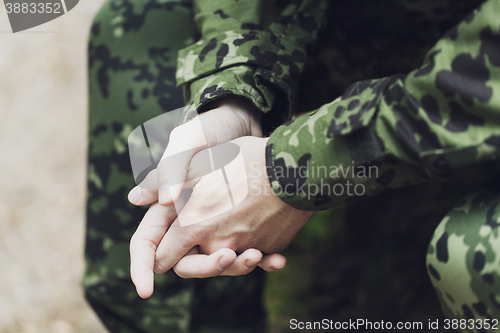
{"x":435,"y":123}
{"x":132,"y":60}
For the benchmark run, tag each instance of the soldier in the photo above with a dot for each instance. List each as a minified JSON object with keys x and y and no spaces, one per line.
{"x":430,"y":124}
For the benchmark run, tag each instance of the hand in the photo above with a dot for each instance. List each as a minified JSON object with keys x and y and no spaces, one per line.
{"x":148,"y":235}
{"x":230,"y":118}
{"x":194,"y":265}
{"x":262,"y":221}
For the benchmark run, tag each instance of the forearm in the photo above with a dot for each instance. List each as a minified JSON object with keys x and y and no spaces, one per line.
{"x":430,"y":124}
{"x":255,"y":49}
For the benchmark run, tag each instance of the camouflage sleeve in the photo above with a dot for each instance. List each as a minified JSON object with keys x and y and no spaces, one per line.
{"x":251,"y":48}
{"x":431,"y":124}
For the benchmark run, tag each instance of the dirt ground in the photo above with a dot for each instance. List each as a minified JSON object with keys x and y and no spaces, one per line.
{"x":43,"y":126}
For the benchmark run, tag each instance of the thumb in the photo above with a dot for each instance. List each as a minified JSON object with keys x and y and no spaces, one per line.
{"x":185,"y":141}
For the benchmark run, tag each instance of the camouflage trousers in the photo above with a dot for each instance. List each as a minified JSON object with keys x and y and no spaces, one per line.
{"x":464,"y":260}
{"x":132,"y":57}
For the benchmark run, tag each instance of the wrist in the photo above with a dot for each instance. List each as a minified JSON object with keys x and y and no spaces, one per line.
{"x":243,"y":108}
{"x":305,"y":214}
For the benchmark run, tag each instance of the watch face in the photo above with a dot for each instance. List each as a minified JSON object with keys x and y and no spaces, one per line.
{"x":219,"y":164}
{"x":26,"y":14}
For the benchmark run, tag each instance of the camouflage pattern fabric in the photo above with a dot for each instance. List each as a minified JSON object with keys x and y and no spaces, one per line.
{"x":254,"y":49}
{"x":464,"y":256}
{"x":361,"y":260}
{"x":132,"y":58}
{"x":437,"y":123}
{"x":400,"y":130}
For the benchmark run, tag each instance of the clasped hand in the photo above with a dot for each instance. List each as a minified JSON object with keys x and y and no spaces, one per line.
{"x":226,"y":241}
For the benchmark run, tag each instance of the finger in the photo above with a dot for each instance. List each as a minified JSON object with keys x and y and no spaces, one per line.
{"x":204,"y":266}
{"x":146,"y":192}
{"x":174,"y":245}
{"x":144,"y":243}
{"x":142,"y":196}
{"x":272,"y":262}
{"x":244,"y":263}
{"x":199,"y":166}
{"x":185,"y":141}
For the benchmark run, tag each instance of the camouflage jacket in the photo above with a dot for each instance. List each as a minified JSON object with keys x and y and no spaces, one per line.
{"x":432,"y":123}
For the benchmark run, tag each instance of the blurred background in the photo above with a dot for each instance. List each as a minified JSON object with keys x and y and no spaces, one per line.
{"x":366,"y":260}
{"x":43,"y":125}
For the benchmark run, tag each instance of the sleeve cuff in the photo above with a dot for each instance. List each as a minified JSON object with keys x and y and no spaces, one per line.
{"x":301,"y":166}
{"x":333,"y":155}
{"x":238,"y":80}
{"x":255,"y":64}
{"x":283,"y":57}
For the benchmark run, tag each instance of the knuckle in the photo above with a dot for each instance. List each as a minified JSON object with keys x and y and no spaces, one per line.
{"x":159,"y":267}
{"x":133,"y":240}
{"x":246,"y":270}
{"x":149,"y":193}
{"x":161,"y":169}
{"x":198,"y":234}
{"x":177,"y":132}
